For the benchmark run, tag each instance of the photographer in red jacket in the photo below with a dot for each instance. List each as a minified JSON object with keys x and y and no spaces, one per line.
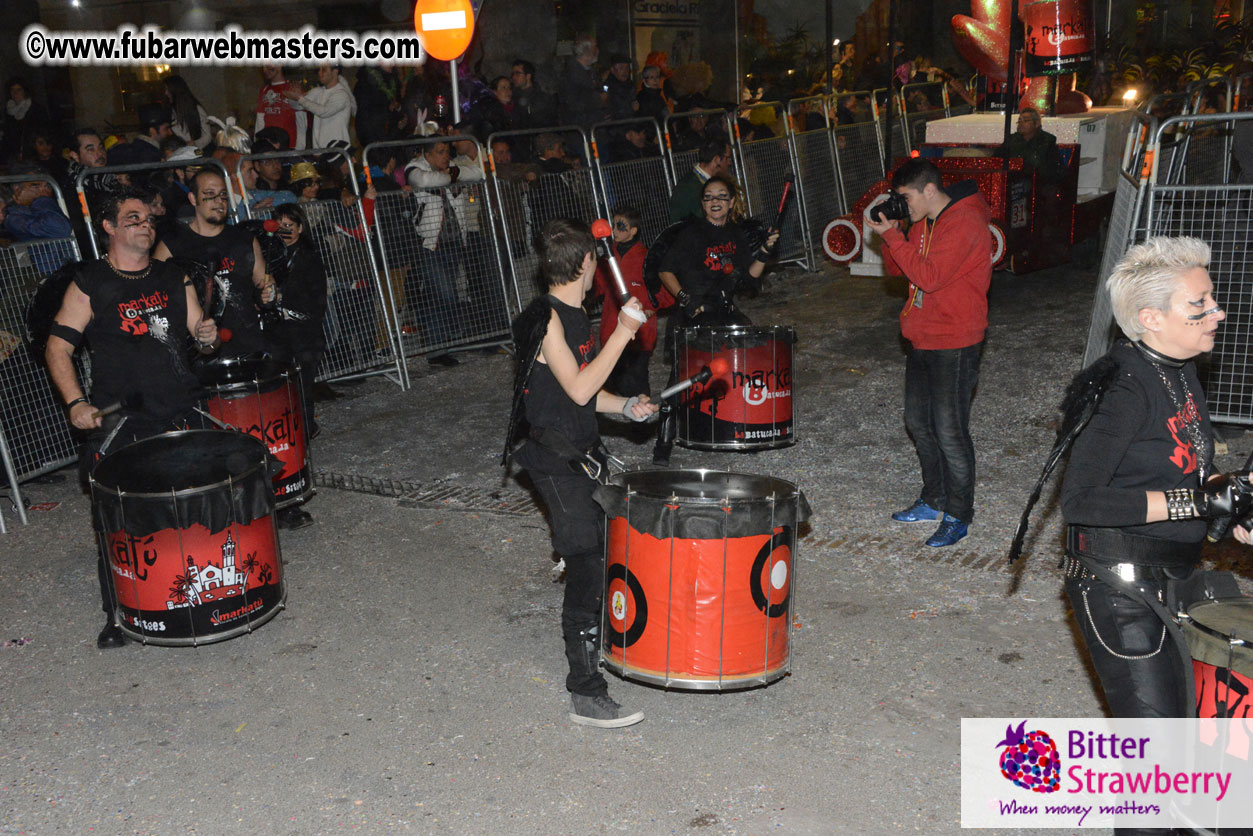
{"x":947,"y":256}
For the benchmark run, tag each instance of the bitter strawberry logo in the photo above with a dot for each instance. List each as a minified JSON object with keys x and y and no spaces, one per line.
{"x":1030,"y":759}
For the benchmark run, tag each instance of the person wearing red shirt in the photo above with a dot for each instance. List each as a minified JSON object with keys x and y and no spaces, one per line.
{"x":947,"y":256}
{"x":275,"y":111}
{"x":630,"y":375}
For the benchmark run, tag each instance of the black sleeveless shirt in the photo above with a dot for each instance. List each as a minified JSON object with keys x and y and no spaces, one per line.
{"x":546,"y":404}
{"x":228,"y":256}
{"x":139,"y":339}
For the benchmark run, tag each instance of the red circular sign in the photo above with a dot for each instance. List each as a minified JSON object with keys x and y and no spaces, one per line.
{"x":445,"y":27}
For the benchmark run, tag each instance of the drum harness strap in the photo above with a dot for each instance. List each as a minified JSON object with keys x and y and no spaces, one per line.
{"x":597,"y":462}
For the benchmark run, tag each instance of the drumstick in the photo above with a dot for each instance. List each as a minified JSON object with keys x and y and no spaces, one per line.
{"x":603,"y":232}
{"x":784,"y":200}
{"x":131,"y":403}
{"x":683,"y":385}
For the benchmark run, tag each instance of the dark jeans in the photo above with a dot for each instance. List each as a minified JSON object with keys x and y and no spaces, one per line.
{"x":431,"y":287}
{"x":939,"y":386}
{"x":578,"y":525}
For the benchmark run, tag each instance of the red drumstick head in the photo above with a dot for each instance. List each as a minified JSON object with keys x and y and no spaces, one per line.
{"x":270,"y":226}
{"x":225,"y":334}
{"x":719,"y":366}
{"x":601,"y":228}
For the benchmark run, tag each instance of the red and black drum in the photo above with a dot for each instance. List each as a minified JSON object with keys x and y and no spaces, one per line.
{"x":699,"y":577}
{"x":262,"y":398}
{"x":187,"y":522}
{"x":1220,"y":636}
{"x":747,"y":402}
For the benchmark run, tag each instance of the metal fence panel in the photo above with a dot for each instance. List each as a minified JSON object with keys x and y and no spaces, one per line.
{"x":817,"y":177}
{"x":858,"y":151}
{"x":919,"y":104}
{"x":440,"y":252}
{"x":359,"y":340}
{"x":527,"y":204}
{"x":643,"y":183}
{"x":767,"y":162}
{"x":34,"y":435}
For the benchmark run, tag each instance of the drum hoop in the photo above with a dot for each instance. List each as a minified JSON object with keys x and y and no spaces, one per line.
{"x":1229,"y":639}
{"x":791,"y":492}
{"x":119,"y":493}
{"x":737,"y":330}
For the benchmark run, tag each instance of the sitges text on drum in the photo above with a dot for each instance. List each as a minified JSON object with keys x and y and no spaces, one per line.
{"x":760,"y":385}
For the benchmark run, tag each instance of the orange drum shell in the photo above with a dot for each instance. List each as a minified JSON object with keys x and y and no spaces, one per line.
{"x":700,"y":614}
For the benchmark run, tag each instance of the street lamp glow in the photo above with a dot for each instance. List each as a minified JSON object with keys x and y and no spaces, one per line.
{"x":1129,"y":96}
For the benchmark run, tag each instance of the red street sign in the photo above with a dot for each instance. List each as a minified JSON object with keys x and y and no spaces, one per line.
{"x":444,"y":26}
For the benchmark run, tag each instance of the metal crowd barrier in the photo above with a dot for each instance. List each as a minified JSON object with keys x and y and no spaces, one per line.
{"x":1152,"y":200}
{"x":34,"y":434}
{"x":359,"y":310}
{"x":642,"y":182}
{"x":440,"y":250}
{"x":817,"y":173}
{"x":682,"y":159}
{"x":92,"y":174}
{"x":527,"y":203}
{"x":766,"y":163}
{"x":858,"y":149}
{"x":914,"y":118}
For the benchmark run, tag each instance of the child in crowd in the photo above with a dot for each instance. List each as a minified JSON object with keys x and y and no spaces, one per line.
{"x":630,"y":376}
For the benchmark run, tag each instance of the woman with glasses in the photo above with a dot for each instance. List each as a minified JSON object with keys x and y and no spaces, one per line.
{"x":712,"y":257}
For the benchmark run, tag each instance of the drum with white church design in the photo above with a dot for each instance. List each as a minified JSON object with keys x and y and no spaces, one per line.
{"x":186,"y":520}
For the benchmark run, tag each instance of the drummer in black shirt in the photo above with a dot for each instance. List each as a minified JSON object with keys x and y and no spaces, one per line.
{"x":234,"y":261}
{"x":702,"y":269}
{"x":709,"y":258}
{"x":559,"y":387}
{"x":139,"y":317}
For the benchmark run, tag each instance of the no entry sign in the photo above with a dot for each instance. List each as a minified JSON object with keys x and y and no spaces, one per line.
{"x":445,"y":27}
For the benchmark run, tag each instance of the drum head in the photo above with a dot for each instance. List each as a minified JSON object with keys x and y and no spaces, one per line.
{"x":240,"y":370}
{"x":1231,"y":617}
{"x":180,"y":461}
{"x":713,"y":485}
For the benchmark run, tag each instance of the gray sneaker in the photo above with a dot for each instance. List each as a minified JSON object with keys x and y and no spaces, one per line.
{"x":602,"y":712}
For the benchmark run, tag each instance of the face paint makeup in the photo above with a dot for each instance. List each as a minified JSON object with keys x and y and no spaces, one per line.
{"x":1211,"y":312}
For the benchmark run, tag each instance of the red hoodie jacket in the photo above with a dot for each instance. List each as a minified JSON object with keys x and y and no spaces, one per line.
{"x":949,"y":266}
{"x":632,"y":266}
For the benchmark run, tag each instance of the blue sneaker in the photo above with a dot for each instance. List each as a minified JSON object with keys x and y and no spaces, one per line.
{"x":950,"y":531}
{"x":918,"y":512}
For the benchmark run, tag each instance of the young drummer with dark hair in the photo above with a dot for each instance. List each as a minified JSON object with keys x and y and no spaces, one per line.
{"x":558,"y":389}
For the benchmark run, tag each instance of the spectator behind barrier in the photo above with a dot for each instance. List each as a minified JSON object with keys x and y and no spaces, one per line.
{"x":276,"y":113}
{"x":22,"y":117}
{"x":332,"y":106}
{"x":537,"y":107}
{"x":620,"y":89}
{"x":33,"y":214}
{"x":712,"y":160}
{"x":581,"y":98}
{"x":189,"y":121}
{"x":377,"y":92}
{"x":651,"y":100}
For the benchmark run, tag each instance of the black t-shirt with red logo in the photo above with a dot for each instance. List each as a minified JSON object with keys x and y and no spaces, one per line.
{"x":229,"y":258}
{"x":547,"y":405}
{"x":1138,"y":441}
{"x":139,"y":339}
{"x":708,"y":259}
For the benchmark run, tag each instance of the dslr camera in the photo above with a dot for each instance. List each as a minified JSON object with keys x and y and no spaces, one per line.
{"x":894,"y":208}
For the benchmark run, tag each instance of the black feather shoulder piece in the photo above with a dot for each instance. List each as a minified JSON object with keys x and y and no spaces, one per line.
{"x":1080,"y":403}
{"x":529,"y":329}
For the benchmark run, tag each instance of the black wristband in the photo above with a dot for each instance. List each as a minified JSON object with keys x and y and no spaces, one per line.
{"x":682,"y":297}
{"x":75,"y":402}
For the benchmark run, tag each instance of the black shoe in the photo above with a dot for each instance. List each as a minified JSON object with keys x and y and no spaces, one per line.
{"x":314,"y":430}
{"x":446,"y":360}
{"x":110,"y":636}
{"x":290,"y":519}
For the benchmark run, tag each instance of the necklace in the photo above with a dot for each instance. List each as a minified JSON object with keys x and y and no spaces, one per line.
{"x":1194,"y":421}
{"x":126,"y":274}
